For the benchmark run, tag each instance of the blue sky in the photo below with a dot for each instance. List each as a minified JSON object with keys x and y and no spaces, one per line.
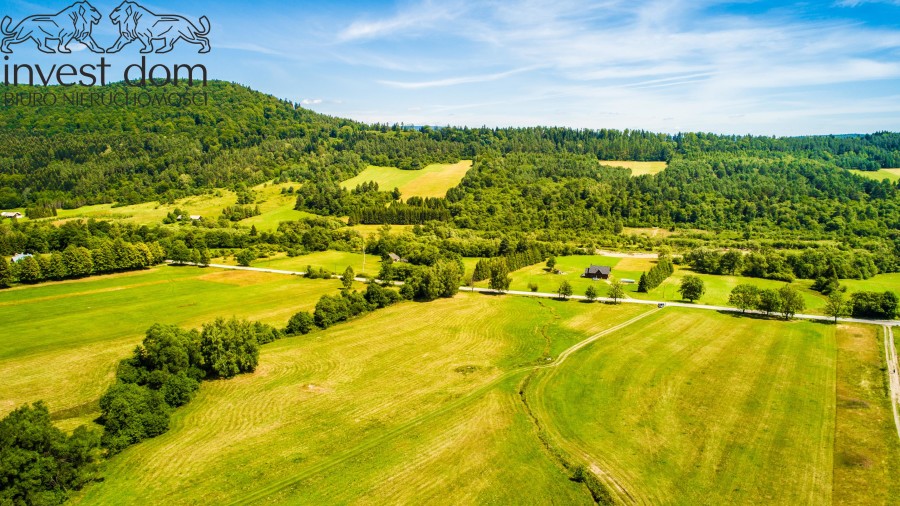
{"x":761,"y":67}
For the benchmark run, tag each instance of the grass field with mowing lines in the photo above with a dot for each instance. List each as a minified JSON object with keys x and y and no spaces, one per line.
{"x":866,"y":454}
{"x":86,"y":326}
{"x":411,"y":404}
{"x":893,"y":175}
{"x":432,"y":181}
{"x":637,"y":168}
{"x":686,"y":407}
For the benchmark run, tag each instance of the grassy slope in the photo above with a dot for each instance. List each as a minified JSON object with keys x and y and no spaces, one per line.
{"x":274,"y":207}
{"x":637,"y":168}
{"x":85,"y":327}
{"x":406,"y":405}
{"x":432,"y":181}
{"x":892,"y":175}
{"x":701,"y":408}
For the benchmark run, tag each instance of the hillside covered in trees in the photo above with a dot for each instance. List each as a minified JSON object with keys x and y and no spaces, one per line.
{"x":534,"y":180}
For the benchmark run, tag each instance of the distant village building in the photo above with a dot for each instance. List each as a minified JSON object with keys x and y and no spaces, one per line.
{"x":597,"y":272}
{"x":193,"y":217}
{"x":15,"y":215}
{"x":396,"y":258}
{"x":18,"y":257}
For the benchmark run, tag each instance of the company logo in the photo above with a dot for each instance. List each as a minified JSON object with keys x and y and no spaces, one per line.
{"x":53,"y":33}
{"x":56,"y":33}
{"x":74,"y":23}
{"x":138,"y":23}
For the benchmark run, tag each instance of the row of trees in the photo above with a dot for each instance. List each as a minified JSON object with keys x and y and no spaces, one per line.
{"x":786,"y":300}
{"x":656,"y":275}
{"x":165,"y":371}
{"x":79,"y":262}
{"x":771,"y":264}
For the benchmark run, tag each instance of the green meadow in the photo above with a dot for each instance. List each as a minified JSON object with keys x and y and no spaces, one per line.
{"x":61,"y":342}
{"x":432,"y":181}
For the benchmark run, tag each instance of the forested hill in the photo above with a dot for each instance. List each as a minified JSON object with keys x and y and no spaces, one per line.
{"x":524,"y":178}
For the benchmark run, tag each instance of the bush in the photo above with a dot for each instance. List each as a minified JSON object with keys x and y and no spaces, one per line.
{"x":228,"y":348}
{"x":131,"y":413}
{"x":874,"y":305}
{"x":300,"y":323}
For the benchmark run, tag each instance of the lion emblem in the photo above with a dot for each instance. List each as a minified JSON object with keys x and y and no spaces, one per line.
{"x":74,"y":23}
{"x":138,"y":23}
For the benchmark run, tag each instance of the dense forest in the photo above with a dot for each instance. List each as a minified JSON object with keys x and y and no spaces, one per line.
{"x":545,"y":183}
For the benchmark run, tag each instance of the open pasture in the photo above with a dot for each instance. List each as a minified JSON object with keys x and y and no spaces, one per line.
{"x":637,"y":168}
{"x":432,"y":181}
{"x":61,"y":342}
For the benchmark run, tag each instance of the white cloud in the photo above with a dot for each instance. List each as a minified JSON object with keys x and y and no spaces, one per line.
{"x":453,"y":81}
{"x":412,"y":20}
{"x":311,"y":101}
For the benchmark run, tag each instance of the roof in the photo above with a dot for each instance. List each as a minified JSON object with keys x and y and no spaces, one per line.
{"x":21,"y":256}
{"x":598,"y":269}
{"x":395,"y":257}
{"x":195,"y":217}
{"x":11,"y":215}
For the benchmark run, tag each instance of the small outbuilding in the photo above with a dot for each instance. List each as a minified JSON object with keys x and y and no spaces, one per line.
{"x":597,"y":272}
{"x":11,"y":215}
{"x":18,"y":257}
{"x":396,"y":258}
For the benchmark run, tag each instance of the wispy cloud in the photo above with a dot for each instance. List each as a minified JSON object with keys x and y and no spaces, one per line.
{"x":453,"y":81}
{"x":409,"y":21}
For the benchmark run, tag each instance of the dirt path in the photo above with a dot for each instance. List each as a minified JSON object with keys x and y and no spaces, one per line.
{"x":890,"y":355}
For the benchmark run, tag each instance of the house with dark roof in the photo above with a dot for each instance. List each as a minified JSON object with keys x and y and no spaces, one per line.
{"x":396,"y":258}
{"x":597,"y":272}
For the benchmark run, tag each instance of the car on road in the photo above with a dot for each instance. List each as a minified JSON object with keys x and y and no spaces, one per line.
{"x":661,"y":305}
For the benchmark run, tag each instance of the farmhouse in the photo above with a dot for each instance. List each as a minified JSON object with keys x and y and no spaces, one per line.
{"x":396,"y":258}
{"x":11,"y":215}
{"x":18,"y":257}
{"x":597,"y":272}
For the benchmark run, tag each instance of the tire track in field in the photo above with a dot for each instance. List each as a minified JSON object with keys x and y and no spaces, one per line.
{"x":348,"y":454}
{"x":890,"y":355}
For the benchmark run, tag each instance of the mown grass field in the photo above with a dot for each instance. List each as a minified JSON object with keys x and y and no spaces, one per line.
{"x":690,"y":407}
{"x":637,"y":168}
{"x":61,"y":342}
{"x":892,"y":175}
{"x":413,"y":404}
{"x":432,"y":181}
{"x":419,"y":403}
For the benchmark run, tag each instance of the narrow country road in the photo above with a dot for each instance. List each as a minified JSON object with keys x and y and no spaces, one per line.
{"x":887,"y":323}
{"x":890,"y":355}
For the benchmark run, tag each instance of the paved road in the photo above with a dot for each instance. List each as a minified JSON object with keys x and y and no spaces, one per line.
{"x":888,"y":323}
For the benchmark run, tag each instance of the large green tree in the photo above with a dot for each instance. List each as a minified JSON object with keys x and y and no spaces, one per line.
{"x":692,"y":288}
